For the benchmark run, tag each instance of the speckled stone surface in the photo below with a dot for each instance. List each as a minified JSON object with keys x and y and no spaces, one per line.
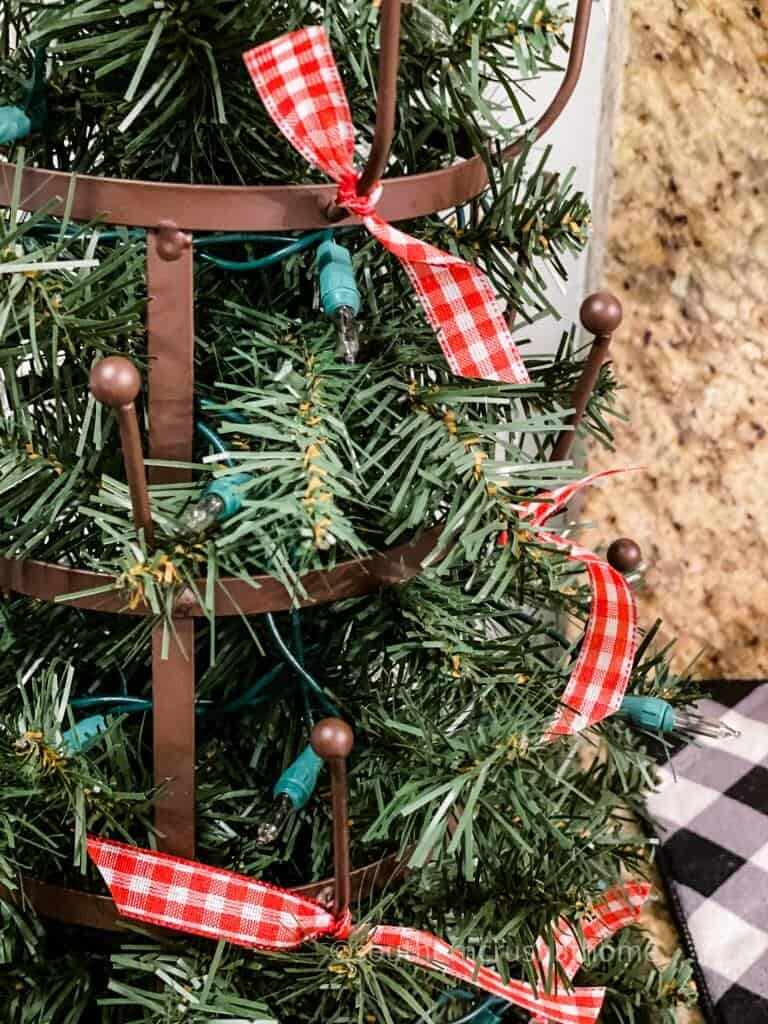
{"x":687,"y":253}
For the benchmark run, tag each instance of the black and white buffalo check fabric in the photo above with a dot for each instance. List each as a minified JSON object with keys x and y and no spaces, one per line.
{"x":712,"y":815}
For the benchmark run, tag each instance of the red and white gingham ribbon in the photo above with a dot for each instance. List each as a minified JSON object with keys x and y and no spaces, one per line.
{"x":619,"y":907}
{"x":169,"y":892}
{"x":600,"y":676}
{"x":299,"y":83}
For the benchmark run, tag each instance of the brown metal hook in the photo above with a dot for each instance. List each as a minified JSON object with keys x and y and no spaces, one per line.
{"x":568,"y":84}
{"x":332,"y":739}
{"x":387,"y":89}
{"x":386,"y":103}
{"x":600,"y":315}
{"x":116,"y":382}
{"x":386,"y":96}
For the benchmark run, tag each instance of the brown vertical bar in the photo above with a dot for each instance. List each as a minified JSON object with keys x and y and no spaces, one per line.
{"x":173,"y":717}
{"x":130,"y":438}
{"x":386,"y":106}
{"x":386,"y":97}
{"x":341,"y":867}
{"x":171,"y":335}
{"x":170,"y":323}
{"x":116,"y":382}
{"x":332,"y":739}
{"x":600,"y":315}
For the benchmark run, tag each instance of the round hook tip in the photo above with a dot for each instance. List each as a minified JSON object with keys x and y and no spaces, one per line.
{"x":114,"y":381}
{"x":332,"y":738}
{"x":624,"y":555}
{"x":601,"y":313}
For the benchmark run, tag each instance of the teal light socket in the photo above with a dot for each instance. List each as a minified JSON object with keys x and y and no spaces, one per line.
{"x":14,"y":124}
{"x":299,"y":779}
{"x":485,"y":1016}
{"x":650,"y":713}
{"x":227,"y":488}
{"x":85,"y":733}
{"x":338,"y":286}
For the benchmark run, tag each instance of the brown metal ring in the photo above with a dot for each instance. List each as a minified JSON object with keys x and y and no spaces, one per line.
{"x":266,"y":207}
{"x":88,"y":910}
{"x":48,"y":581}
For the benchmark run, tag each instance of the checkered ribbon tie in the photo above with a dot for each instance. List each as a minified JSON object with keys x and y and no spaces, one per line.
{"x":619,"y":907}
{"x":299,"y":83}
{"x":600,"y":676}
{"x":169,"y":892}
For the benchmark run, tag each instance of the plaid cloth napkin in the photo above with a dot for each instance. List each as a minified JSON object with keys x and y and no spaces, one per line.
{"x":712,"y":815}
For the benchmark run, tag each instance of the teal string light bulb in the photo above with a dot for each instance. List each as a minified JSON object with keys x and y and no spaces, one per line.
{"x":202,"y":516}
{"x":291,"y":792}
{"x":339,"y":296}
{"x":84,"y":734}
{"x":657,"y":715}
{"x":14,"y":124}
{"x":18,"y":122}
{"x":220,"y":500}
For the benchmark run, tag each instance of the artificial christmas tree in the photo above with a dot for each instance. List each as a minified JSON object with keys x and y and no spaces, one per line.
{"x":343,"y":537}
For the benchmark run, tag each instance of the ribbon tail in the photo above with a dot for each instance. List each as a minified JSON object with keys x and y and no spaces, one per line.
{"x":550,"y":503}
{"x":579,"y":1006}
{"x":603,"y":667}
{"x":620,"y":907}
{"x":461,"y":306}
{"x":169,"y":892}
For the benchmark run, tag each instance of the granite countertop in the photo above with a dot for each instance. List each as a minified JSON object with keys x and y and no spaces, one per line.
{"x":687,"y":254}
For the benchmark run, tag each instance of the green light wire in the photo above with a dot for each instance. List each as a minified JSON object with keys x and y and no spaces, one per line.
{"x":290,"y":244}
{"x":298,"y":668}
{"x":223,"y":413}
{"x":214,"y":439}
{"x":133,"y":705}
{"x":297,"y":245}
{"x":298,"y":646}
{"x":225,"y":237}
{"x":296,"y":661}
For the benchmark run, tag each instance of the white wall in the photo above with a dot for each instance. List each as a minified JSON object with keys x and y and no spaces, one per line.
{"x":574,"y":140}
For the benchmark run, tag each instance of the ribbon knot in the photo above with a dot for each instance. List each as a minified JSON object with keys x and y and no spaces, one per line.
{"x":342,"y":928}
{"x":299,"y":83}
{"x":348,"y":197}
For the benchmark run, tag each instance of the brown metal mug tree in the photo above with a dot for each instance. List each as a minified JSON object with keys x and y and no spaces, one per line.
{"x":169,"y":212}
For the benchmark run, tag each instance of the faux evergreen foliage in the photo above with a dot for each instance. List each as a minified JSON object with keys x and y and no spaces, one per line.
{"x":449,"y":680}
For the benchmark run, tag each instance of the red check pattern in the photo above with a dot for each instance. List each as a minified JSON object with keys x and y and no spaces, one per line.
{"x":186,"y":896}
{"x":170,"y":892}
{"x":577,"y":1006}
{"x":620,"y":906}
{"x":299,"y":83}
{"x":600,"y":676}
